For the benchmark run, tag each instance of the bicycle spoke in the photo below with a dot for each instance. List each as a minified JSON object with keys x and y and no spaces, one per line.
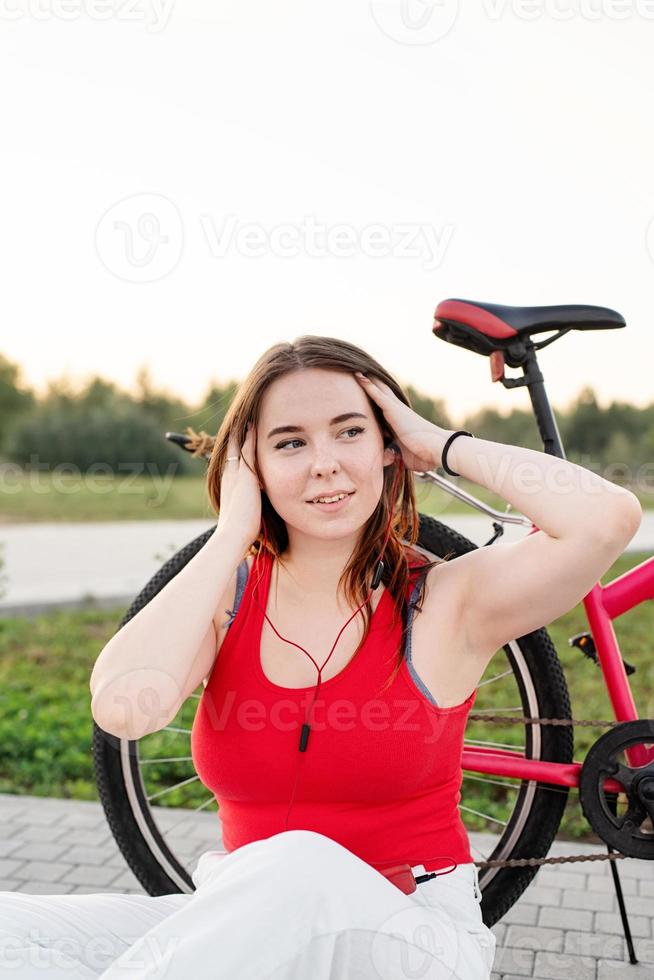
{"x":477,"y":850}
{"x":495,"y":677}
{"x":494,"y":745}
{"x":211,"y":799}
{"x":196,"y":809}
{"x":494,"y":782}
{"x":174,"y":758}
{"x":485,"y":816}
{"x":169,"y":789}
{"x":496,"y":711}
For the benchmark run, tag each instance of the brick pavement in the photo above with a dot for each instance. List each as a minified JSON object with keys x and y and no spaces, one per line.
{"x":565,"y":926}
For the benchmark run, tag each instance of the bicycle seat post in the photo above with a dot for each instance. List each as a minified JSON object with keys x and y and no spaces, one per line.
{"x":523,"y":355}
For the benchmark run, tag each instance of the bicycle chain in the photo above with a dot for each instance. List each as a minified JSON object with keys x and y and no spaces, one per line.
{"x":571,"y":858}
{"x":478,"y":716}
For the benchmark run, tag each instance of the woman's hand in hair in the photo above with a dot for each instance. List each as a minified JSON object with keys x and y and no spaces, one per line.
{"x":240,"y":492}
{"x":413,"y":434}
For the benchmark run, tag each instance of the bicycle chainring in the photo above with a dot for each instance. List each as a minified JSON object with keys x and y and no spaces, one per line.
{"x":631,"y":833}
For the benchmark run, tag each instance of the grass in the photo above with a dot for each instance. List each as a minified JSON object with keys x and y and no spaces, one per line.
{"x":68,"y":497}
{"x":46,"y":724}
{"x":65,"y":497}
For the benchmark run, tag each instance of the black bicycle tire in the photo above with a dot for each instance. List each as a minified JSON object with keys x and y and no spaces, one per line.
{"x":500,"y":888}
{"x":111,"y":755}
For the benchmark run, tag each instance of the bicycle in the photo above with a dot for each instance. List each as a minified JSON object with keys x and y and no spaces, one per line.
{"x":519,"y":783}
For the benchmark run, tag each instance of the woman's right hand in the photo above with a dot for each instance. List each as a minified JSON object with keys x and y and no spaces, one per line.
{"x":240,"y":492}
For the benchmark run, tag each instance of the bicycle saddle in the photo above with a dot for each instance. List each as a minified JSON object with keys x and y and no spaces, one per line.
{"x":500,"y":324}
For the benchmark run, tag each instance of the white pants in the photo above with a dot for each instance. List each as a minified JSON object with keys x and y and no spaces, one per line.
{"x":294,"y":906}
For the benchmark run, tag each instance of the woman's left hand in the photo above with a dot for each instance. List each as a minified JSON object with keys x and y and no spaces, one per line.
{"x":416,"y":437}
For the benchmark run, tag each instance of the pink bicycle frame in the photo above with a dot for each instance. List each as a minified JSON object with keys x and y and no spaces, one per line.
{"x":603,"y":604}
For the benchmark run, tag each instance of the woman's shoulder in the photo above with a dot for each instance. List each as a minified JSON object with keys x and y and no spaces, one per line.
{"x":417,"y":559}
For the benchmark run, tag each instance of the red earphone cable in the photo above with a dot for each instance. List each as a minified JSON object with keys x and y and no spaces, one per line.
{"x":306,"y":726}
{"x":304,"y":737}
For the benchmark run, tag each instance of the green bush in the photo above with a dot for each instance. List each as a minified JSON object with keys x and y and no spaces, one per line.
{"x":119,"y":440}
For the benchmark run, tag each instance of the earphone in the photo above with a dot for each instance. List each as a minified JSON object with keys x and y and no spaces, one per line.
{"x":376,"y":579}
{"x":401,"y":874}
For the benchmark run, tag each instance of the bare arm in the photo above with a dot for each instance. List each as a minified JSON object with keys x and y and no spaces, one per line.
{"x":504,"y":591}
{"x":138,"y":679}
{"x":560,"y":497}
{"x":584,"y":521}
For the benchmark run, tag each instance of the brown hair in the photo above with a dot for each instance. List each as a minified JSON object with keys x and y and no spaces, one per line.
{"x":333,"y":354}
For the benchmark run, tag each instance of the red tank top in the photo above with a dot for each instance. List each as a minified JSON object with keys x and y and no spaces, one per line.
{"x":382,"y":771}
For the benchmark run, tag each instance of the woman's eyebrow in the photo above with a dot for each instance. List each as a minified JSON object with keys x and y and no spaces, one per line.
{"x":298,"y":428}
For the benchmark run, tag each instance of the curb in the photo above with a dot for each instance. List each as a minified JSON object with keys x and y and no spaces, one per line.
{"x":30,"y":610}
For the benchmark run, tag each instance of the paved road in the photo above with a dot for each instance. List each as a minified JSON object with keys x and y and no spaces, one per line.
{"x":61,"y":563}
{"x":566,"y":923}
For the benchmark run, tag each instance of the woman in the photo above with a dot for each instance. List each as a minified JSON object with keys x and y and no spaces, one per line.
{"x":331,"y":725}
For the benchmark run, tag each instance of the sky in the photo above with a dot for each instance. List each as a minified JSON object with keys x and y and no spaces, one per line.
{"x":186,"y":185}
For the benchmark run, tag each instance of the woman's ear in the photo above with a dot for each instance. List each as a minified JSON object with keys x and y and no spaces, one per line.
{"x":391,"y":452}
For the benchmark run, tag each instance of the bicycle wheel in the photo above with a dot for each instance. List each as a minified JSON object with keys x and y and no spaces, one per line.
{"x":514,"y":818}
{"x":530,"y":681}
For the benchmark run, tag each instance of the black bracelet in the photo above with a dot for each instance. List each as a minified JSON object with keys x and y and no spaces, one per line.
{"x":459,"y":432}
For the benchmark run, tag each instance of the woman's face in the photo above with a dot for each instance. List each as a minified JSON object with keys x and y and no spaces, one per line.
{"x":323,"y":457}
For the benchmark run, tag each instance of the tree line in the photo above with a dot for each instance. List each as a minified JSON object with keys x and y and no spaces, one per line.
{"x":101,"y":425}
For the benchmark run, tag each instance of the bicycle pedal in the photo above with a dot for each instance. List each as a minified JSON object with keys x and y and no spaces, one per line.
{"x":585,"y":643}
